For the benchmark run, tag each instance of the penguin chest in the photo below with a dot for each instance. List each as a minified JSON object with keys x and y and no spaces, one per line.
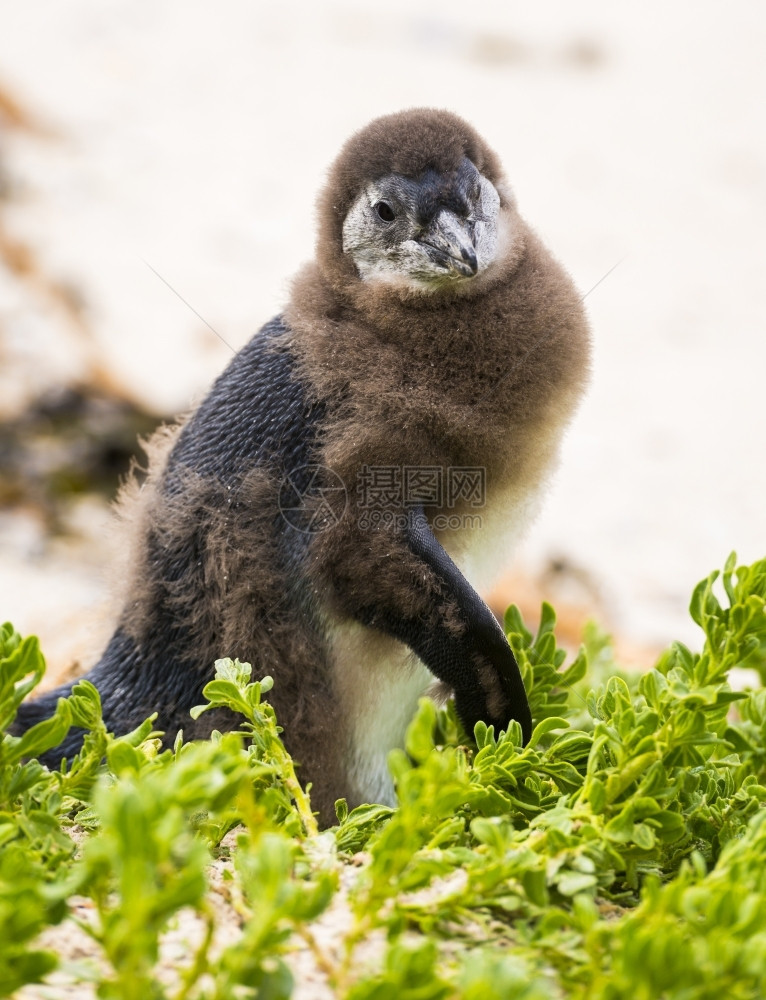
{"x":481,"y":541}
{"x":482,"y":529}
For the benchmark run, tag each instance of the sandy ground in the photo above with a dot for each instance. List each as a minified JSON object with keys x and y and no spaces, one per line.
{"x":83,"y":962}
{"x":190,"y":140}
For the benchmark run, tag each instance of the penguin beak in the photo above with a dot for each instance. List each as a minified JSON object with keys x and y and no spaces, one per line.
{"x":448,"y":241}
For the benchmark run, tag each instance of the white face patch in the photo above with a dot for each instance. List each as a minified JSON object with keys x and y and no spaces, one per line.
{"x":391,"y":238}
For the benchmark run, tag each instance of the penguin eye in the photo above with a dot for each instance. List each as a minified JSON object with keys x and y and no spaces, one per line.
{"x":385,"y":212}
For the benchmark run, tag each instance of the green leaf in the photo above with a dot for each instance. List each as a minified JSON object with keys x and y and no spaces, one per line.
{"x":547,"y":726}
{"x":44,"y":735}
{"x":570,"y":883}
{"x":419,"y":739}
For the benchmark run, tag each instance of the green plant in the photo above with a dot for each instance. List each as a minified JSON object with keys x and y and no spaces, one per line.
{"x":618,"y":854}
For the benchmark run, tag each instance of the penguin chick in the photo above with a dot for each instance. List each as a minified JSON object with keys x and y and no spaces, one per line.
{"x":367,"y":454}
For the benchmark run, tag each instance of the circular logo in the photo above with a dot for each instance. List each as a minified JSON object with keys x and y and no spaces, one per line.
{"x":312,"y":499}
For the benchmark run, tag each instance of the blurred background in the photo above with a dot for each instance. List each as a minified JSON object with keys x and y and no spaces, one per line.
{"x":159,"y":163}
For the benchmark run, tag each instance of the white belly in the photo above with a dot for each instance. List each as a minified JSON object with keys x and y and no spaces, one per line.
{"x":379,"y":681}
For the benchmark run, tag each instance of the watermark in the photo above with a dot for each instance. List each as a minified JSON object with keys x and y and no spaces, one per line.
{"x":314,"y":498}
{"x":398,"y":520}
{"x":401,"y":486}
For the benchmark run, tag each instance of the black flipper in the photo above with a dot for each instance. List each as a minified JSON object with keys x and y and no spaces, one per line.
{"x":467,"y":649}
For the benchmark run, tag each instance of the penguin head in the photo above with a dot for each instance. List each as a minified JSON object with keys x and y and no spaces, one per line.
{"x":424,"y":231}
{"x":415,"y":202}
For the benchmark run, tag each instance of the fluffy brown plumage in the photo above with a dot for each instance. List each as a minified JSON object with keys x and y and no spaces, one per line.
{"x":481,"y":368}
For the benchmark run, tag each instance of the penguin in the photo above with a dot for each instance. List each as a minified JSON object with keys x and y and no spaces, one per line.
{"x":375,"y":447}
